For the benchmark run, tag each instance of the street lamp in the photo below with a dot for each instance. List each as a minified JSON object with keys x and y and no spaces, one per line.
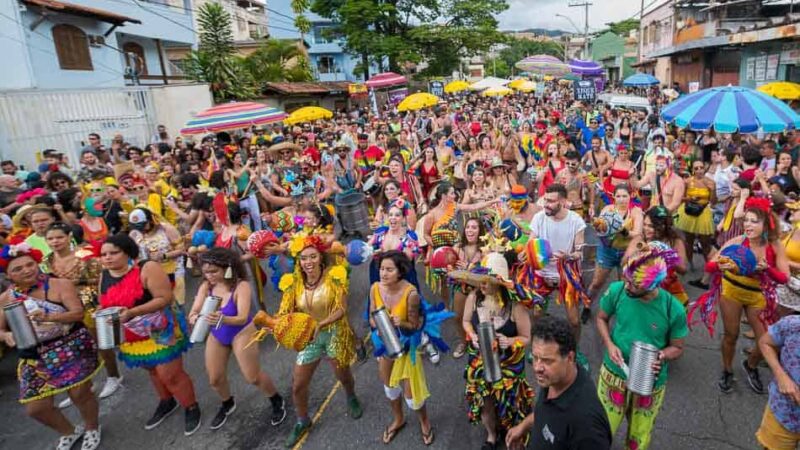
{"x":578,"y":30}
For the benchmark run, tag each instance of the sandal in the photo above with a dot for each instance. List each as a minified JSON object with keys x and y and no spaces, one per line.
{"x":389,"y":433}
{"x":460,"y":349}
{"x":427,"y":438}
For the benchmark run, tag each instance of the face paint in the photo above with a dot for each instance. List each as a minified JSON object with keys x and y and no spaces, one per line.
{"x":517,"y":205}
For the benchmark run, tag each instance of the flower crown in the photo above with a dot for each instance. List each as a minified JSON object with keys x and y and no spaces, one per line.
{"x":301,"y":241}
{"x":16,"y":250}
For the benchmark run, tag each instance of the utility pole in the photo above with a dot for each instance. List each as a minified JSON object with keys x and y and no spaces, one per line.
{"x":640,"y":38}
{"x":585,"y":6}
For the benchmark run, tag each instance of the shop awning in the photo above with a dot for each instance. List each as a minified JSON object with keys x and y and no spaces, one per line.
{"x":83,"y":11}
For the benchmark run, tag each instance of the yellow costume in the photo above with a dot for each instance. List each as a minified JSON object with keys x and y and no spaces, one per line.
{"x":403,"y":368}
{"x":700,"y":225}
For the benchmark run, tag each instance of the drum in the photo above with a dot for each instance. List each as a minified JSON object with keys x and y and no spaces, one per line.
{"x":352,"y":211}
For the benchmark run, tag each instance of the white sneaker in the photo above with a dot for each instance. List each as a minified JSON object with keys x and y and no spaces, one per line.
{"x":111,"y":386}
{"x":66,"y":403}
{"x":433,"y":354}
{"x":91,"y":439}
{"x":66,"y":442}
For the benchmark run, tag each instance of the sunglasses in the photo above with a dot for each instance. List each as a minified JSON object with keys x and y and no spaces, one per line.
{"x":96,"y":190}
{"x":139,"y":188}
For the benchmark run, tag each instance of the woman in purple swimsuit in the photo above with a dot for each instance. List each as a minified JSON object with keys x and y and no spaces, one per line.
{"x":231,"y":329}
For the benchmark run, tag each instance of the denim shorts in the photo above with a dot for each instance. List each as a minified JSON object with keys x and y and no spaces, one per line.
{"x":609,"y":257}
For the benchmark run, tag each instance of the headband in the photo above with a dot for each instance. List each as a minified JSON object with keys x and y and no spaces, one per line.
{"x":11,"y":252}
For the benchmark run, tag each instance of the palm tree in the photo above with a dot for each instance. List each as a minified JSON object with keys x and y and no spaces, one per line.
{"x":278,"y":60}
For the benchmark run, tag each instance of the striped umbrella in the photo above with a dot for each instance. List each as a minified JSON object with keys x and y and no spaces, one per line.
{"x":731,"y":109}
{"x":585,"y":67}
{"x":231,"y":116}
{"x":385,"y":79}
{"x":640,"y":80}
{"x":543,"y":64}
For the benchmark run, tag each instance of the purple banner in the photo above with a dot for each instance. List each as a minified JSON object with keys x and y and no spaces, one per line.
{"x":397,"y":95}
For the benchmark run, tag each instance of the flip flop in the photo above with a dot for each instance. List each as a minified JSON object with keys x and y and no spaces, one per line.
{"x":427,"y":438}
{"x":389,"y":434}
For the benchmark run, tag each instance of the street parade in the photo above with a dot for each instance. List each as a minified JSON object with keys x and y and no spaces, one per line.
{"x":520,"y":263}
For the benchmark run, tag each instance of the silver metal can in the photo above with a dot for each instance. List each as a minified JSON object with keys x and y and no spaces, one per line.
{"x":201,"y":326}
{"x":387,"y":332}
{"x":109,"y":328}
{"x":641,"y":376}
{"x":487,"y":339}
{"x":20,"y":324}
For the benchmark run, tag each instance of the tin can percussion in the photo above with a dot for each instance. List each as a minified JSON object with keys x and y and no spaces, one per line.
{"x":387,"y":332}
{"x":487,"y":339}
{"x":201,"y":326}
{"x":20,"y":324}
{"x":109,"y":328}
{"x":641,"y":377}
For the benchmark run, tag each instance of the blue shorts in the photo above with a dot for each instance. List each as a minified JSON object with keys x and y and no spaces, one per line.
{"x":609,"y":257}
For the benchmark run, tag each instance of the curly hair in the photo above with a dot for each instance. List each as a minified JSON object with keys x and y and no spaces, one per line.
{"x":400,"y":260}
{"x":558,"y":330}
{"x":224,"y":258}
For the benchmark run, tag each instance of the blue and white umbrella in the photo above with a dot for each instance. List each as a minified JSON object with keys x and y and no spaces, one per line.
{"x":730,"y":109}
{"x":640,"y":80}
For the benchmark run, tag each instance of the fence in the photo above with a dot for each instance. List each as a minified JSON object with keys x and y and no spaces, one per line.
{"x":31,"y":121}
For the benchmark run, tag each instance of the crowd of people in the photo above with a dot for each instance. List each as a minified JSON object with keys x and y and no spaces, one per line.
{"x":495,"y":205}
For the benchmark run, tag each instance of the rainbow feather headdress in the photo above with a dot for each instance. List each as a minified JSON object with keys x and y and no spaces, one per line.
{"x":647,"y":268}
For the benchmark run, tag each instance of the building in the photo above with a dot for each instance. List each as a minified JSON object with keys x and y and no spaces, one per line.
{"x":656,"y":30}
{"x":747,"y":43}
{"x":249,"y":18}
{"x":573,"y":46}
{"x":91,"y":43}
{"x":615,"y":53}
{"x":328,"y":58}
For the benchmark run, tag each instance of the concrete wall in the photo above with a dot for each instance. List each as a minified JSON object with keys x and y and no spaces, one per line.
{"x":661,"y":19}
{"x":14,"y":48}
{"x":175,"y":104}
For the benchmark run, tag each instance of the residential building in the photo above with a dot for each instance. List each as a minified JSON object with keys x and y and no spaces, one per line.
{"x":53,"y":44}
{"x":615,"y":53}
{"x":747,"y":43}
{"x":657,"y":28}
{"x":573,"y":48}
{"x":249,"y":28}
{"x":327,"y":56}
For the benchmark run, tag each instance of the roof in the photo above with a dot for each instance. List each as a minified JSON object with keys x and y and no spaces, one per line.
{"x":80,"y":10}
{"x":300,"y":88}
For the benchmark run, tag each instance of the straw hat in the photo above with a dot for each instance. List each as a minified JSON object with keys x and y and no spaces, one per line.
{"x":285,"y":146}
{"x":27,"y":210}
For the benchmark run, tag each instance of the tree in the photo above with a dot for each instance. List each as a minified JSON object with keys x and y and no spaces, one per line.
{"x":622,"y":28}
{"x":214,"y":61}
{"x":496,"y":67}
{"x":278,"y":60}
{"x":393,"y":32}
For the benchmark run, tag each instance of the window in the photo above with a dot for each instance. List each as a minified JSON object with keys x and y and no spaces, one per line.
{"x":319,"y":35}
{"x":72,"y":48}
{"x":326,"y":64}
{"x":134,"y":57}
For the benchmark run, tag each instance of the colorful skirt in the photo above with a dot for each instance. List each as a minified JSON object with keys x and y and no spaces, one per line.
{"x":513,"y":396}
{"x":702,"y":225}
{"x":161,"y":347}
{"x":63,"y":363}
{"x":404,"y":369}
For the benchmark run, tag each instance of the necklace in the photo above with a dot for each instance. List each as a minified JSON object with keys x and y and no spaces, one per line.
{"x":42,"y":282}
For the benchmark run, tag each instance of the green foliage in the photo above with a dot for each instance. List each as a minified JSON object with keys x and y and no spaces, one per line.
{"x":623,"y":27}
{"x":497,"y":67}
{"x":518,"y":49}
{"x":278,"y":60}
{"x":392,"y":32}
{"x":214,"y":61}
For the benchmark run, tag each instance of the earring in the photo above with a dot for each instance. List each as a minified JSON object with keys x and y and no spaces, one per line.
{"x":228,"y":273}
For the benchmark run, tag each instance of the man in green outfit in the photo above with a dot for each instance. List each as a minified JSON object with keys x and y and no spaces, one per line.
{"x":646,"y":313}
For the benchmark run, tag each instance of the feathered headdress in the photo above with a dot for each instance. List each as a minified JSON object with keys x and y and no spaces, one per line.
{"x":648,"y":267}
{"x":18,"y":248}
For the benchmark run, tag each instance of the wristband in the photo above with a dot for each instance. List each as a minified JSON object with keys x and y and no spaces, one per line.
{"x":777,"y":276}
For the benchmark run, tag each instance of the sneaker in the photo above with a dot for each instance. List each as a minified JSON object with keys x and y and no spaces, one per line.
{"x":111,"y":386}
{"x":753,"y":378}
{"x":698,"y":283}
{"x":66,"y":442}
{"x":459,"y":351}
{"x":725,"y":382}
{"x":354,"y":407}
{"x":432,"y":353}
{"x":164,"y":409}
{"x":91,"y":439}
{"x":299,"y":430}
{"x":192,"y":419}
{"x":66,"y":403}
{"x":225,"y":410}
{"x":278,"y":410}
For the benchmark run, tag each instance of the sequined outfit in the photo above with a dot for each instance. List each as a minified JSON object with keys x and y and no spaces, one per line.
{"x":84,"y":274}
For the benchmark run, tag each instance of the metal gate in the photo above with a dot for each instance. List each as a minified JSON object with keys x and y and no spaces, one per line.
{"x":35,"y":120}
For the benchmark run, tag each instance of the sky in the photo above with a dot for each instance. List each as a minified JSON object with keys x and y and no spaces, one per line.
{"x":523,"y":14}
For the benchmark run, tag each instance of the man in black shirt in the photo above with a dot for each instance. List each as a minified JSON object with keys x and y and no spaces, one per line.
{"x":568,"y":414}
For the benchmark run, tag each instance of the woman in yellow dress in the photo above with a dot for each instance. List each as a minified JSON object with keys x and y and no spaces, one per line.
{"x":694,"y":216}
{"x":403,"y":376}
{"x":318,"y":287}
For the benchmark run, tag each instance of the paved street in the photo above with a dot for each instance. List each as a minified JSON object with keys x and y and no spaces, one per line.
{"x":694,"y":416}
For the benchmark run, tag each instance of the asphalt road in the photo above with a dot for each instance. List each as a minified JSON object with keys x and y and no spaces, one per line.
{"x":695,"y":415}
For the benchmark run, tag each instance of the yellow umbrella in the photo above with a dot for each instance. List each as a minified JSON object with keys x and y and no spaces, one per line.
{"x":456,"y":86}
{"x":548,"y":78}
{"x":308,"y":114}
{"x":783,"y":90}
{"x":417,"y":101}
{"x":516,"y":83}
{"x":497,"y":92}
{"x":527,"y":86}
